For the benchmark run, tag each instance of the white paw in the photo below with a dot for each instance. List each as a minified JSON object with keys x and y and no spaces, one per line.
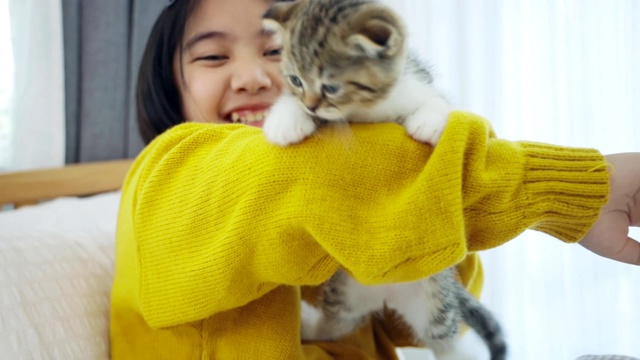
{"x":429,"y":121}
{"x":309,"y":318}
{"x":287,"y":123}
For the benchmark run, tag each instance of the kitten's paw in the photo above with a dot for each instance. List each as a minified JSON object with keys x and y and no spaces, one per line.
{"x":309,"y":318}
{"x":428,"y":122}
{"x":287,"y":124}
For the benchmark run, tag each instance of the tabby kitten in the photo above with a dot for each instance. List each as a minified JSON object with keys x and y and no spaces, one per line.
{"x":346,"y":61}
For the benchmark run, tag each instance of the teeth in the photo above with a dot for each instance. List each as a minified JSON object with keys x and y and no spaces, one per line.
{"x":247,"y":116}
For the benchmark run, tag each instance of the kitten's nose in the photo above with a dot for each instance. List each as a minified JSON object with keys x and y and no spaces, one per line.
{"x":312,"y":101}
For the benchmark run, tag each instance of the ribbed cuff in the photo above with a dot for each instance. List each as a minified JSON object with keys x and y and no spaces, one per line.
{"x":567,"y":188}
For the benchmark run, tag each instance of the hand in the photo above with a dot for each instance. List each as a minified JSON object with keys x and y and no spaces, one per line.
{"x":609,"y":236}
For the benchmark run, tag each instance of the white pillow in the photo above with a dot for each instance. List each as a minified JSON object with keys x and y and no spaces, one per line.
{"x":56,"y":264}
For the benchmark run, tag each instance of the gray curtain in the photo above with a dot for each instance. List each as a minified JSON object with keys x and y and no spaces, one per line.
{"x":103,"y":43}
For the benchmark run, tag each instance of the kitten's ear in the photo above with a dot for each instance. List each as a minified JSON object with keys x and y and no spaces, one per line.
{"x":281,"y":12}
{"x":377,"y":31}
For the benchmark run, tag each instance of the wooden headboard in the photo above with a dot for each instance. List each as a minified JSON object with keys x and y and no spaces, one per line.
{"x":30,"y":187}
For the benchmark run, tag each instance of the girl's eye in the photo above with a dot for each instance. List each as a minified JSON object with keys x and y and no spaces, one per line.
{"x":274,"y":52}
{"x":295,"y":81}
{"x":330,"y":89}
{"x":213,"y":58}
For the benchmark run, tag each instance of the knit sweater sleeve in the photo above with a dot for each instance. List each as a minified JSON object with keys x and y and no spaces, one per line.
{"x":219,"y":217}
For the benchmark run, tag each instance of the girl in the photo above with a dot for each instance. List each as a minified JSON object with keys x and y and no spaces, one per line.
{"x":220,"y":234}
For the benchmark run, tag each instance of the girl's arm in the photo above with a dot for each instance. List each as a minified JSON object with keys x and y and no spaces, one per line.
{"x":218,"y":217}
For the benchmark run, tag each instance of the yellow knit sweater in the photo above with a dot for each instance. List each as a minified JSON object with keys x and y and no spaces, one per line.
{"x":218,"y":229}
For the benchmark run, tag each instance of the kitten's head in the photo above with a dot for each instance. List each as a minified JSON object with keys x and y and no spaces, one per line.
{"x":338,"y":55}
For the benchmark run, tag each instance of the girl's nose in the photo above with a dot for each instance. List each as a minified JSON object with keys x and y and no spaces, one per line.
{"x":251,"y":78}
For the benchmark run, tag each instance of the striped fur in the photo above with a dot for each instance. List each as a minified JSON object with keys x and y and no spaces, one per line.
{"x":432,"y":308}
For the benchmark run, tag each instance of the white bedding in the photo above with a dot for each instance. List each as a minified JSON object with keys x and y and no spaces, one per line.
{"x":56,"y":271}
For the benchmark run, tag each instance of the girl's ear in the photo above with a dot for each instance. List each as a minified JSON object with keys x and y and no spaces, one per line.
{"x":377,"y":31}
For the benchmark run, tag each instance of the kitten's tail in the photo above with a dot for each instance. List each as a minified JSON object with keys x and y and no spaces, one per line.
{"x":482,"y":321}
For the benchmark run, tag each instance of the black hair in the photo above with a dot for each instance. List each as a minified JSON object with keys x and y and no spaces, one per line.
{"x":158,"y":100}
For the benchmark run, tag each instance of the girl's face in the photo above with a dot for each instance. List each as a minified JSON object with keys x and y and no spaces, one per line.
{"x":230,"y":66}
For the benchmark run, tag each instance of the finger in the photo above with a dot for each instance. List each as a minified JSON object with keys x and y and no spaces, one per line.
{"x":623,"y":249}
{"x":629,"y":253}
{"x":609,"y":237}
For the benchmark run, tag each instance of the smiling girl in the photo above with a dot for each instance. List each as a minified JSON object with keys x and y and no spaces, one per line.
{"x":220,"y":234}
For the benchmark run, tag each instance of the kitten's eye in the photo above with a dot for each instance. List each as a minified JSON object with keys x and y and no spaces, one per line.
{"x":295,"y":81}
{"x":330,"y":89}
{"x":274,"y":52}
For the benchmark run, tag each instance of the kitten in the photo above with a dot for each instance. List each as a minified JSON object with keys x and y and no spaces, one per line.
{"x":346,"y":61}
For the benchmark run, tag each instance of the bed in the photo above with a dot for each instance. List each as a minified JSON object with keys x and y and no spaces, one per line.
{"x":57,"y":260}
{"x":56,"y":254}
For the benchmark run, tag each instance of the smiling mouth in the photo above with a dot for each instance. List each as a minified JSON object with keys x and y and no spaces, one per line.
{"x":247,"y":116}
